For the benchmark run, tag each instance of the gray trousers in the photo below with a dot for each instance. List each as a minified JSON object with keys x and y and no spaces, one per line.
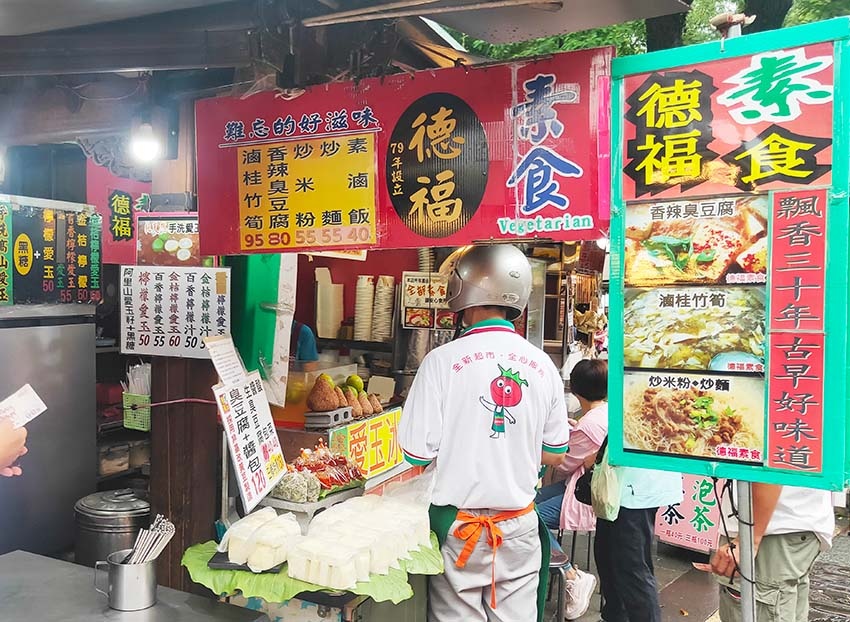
{"x":463,"y":594}
{"x":783,"y":564}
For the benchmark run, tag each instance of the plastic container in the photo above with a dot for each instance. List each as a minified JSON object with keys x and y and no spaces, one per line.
{"x":298,"y":387}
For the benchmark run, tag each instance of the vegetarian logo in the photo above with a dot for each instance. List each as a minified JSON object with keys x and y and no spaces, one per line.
{"x":506,"y":391}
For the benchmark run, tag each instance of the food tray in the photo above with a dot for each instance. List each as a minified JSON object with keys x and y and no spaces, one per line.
{"x":329,"y":419}
{"x":219,"y":561}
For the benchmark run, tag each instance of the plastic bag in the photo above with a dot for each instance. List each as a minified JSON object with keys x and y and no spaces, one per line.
{"x":415,"y":490}
{"x":605,"y":490}
{"x":298,"y":487}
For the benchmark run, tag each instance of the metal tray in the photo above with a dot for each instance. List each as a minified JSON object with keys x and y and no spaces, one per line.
{"x":219,"y":561}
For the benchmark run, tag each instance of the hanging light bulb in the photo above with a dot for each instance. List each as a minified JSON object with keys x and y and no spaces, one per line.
{"x":144,"y":145}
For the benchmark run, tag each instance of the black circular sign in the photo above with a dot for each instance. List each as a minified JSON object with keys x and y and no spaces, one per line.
{"x":437,"y":165}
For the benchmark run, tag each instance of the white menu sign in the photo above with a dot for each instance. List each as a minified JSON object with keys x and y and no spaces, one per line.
{"x":168,"y":311}
{"x":251,"y":436}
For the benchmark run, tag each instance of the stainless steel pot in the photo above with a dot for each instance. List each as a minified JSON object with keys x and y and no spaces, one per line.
{"x":108,"y":522}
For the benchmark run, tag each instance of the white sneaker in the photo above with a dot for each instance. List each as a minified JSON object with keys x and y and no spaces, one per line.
{"x":579,"y":592}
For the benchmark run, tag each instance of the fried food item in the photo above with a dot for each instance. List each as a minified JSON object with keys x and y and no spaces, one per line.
{"x":323,"y":397}
{"x":353,"y":401}
{"x":376,"y":404}
{"x":340,"y":397}
{"x":365,"y":404}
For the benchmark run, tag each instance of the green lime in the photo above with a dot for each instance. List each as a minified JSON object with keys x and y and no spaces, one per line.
{"x":158,"y":245}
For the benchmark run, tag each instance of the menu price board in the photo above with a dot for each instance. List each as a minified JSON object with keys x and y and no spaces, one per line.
{"x":797,"y":339}
{"x":251,"y":437}
{"x":441,"y":158}
{"x":372,"y":443}
{"x":168,"y":311}
{"x":731,"y":261}
{"x":308,"y":192}
{"x":424,"y":301}
{"x":49,"y":256}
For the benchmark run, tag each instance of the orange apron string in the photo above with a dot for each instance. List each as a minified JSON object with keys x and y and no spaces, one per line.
{"x":470,"y":529}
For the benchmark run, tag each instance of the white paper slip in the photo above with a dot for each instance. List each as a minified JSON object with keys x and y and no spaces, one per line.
{"x":226,"y":359}
{"x":22,"y":406}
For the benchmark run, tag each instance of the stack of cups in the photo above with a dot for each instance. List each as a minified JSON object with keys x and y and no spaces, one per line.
{"x":426,"y":260}
{"x":382,"y":316}
{"x":364,"y":298}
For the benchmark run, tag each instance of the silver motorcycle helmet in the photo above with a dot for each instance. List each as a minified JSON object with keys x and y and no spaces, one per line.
{"x":495,"y":275}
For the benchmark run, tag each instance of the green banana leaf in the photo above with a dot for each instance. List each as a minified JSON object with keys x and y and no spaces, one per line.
{"x":278,"y":588}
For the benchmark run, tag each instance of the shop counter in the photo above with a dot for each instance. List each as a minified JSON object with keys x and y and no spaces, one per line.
{"x":40,"y":589}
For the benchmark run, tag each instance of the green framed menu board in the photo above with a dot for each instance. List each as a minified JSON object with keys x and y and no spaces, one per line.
{"x":729,"y":271}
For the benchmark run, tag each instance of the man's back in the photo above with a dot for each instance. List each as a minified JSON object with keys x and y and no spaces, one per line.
{"x":485,"y":406}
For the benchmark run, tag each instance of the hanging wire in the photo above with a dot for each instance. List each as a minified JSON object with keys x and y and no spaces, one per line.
{"x":727,"y":486}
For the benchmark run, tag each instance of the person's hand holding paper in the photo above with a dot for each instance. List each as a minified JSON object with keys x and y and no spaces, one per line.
{"x":16,"y":411}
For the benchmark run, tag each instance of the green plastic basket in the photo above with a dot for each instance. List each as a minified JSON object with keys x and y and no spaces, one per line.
{"x":137,"y":412}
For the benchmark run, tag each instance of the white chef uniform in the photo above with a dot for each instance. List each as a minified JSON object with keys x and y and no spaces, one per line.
{"x":484,"y":407}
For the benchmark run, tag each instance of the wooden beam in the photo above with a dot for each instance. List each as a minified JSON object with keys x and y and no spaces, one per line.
{"x":61,"y":54}
{"x":184,"y":461}
{"x":37,"y":116}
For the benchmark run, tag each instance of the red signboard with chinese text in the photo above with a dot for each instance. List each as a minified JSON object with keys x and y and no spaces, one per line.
{"x":439,"y":158}
{"x":116,"y":199}
{"x":750,"y":123}
{"x":797,"y":339}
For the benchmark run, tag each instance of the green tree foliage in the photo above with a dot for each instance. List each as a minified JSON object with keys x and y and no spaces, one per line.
{"x":631,"y":37}
{"x":807,"y":11}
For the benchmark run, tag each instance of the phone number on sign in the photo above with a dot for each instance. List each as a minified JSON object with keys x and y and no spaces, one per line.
{"x":325,"y":236}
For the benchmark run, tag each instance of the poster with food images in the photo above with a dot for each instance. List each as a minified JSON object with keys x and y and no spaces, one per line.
{"x":711,"y":241}
{"x":700,"y":328}
{"x":424,"y":301}
{"x":696,"y":415}
{"x":729,"y":261}
{"x":167,"y":240}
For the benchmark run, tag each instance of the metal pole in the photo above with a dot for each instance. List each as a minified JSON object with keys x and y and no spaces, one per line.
{"x":746,"y":552}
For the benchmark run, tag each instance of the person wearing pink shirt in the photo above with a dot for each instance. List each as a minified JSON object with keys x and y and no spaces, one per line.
{"x":556,"y":503}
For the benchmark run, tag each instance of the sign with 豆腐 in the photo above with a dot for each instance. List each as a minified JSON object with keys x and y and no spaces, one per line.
{"x":311,"y":192}
{"x":442,"y":158}
{"x":254,"y":446}
{"x":168,"y":311}
{"x":729,"y":298}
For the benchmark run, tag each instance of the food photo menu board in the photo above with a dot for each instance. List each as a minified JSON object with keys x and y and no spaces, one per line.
{"x":729,"y":298}
{"x":694,"y":327}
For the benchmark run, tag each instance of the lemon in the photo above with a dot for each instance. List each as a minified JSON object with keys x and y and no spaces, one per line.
{"x":296,"y":392}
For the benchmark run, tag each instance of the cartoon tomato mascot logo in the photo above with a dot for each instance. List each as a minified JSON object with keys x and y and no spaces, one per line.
{"x":506,"y":391}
